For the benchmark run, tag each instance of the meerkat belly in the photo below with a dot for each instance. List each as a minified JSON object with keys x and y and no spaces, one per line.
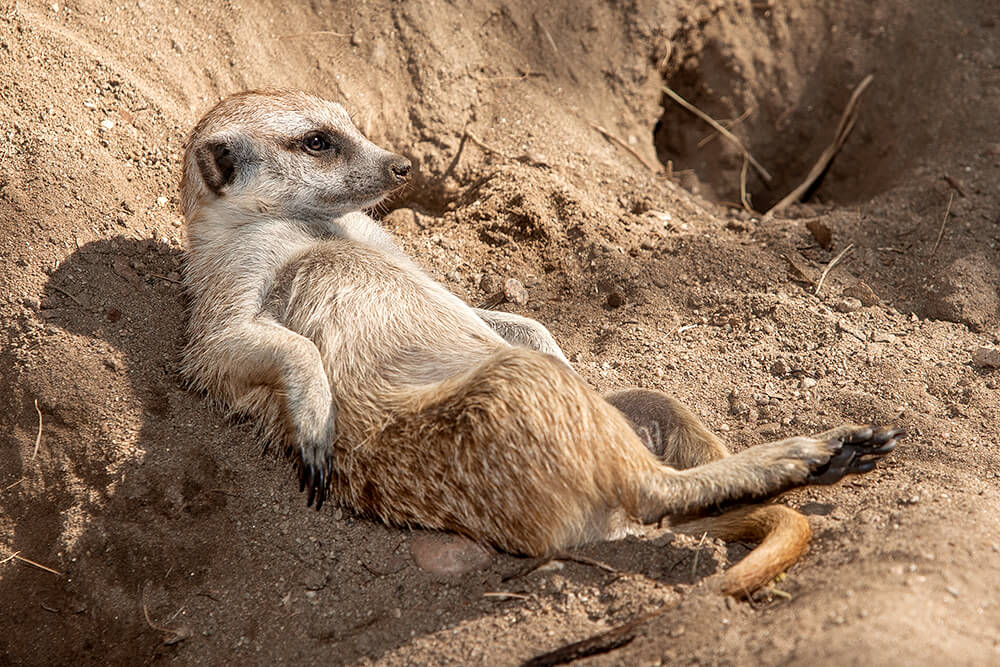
{"x":382,"y":326}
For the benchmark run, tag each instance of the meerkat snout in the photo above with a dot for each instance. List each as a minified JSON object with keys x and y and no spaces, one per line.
{"x":400,"y":168}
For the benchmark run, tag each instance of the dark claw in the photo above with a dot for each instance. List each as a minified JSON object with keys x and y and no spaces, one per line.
{"x":302,"y":476}
{"x":311,"y":483}
{"x":321,"y":491}
{"x":858,"y":453}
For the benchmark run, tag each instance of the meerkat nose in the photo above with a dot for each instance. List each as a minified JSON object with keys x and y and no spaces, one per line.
{"x":400,"y":168}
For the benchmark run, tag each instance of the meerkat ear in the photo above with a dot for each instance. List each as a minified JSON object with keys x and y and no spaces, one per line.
{"x":216,"y":159}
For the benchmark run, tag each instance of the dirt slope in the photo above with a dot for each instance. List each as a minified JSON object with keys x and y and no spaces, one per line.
{"x":174,"y":541}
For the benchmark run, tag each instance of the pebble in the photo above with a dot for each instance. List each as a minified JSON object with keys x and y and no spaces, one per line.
{"x":448,"y":555}
{"x":489,"y":283}
{"x":616,"y":299}
{"x":161,"y":201}
{"x":514,"y":291}
{"x":807,"y":383}
{"x":107,"y":124}
{"x":780,"y":368}
{"x":986,"y":357}
{"x":848,"y":304}
{"x":863,"y":293}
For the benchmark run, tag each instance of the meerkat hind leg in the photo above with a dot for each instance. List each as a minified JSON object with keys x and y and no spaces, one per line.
{"x":669,"y":429}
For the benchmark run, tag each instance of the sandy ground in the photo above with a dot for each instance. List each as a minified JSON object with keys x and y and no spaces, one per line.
{"x":166,"y":537}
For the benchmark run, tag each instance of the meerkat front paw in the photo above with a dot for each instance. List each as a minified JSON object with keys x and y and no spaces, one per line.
{"x":857,"y":451}
{"x":314,"y":451}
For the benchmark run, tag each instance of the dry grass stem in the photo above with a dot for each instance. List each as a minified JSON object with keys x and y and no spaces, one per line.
{"x":744,"y":199}
{"x":844,"y":127}
{"x":65,"y":293}
{"x":486,"y":147}
{"x":503,"y":595}
{"x":314,"y":32}
{"x":27,"y":561}
{"x":833,"y":263}
{"x":38,"y":438}
{"x":721,"y":130}
{"x":634,"y":153}
{"x":697,"y":553}
{"x":729,"y":124}
{"x":947,"y":210}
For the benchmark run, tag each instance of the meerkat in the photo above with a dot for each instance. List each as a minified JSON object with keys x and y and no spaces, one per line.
{"x":400,"y":401}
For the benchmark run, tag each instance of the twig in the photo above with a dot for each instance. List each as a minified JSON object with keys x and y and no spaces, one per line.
{"x":777,"y":592}
{"x":169,"y":280}
{"x":604,"y":642}
{"x":833,"y":263}
{"x":17,"y":555}
{"x":10,"y":557}
{"x":493,"y":301}
{"x":721,"y":130}
{"x":955,"y":184}
{"x":844,"y":127}
{"x":947,"y":210}
{"x":314,"y":32}
{"x":38,"y":438}
{"x":11,"y":486}
{"x":486,"y":147}
{"x":172,"y":636}
{"x":729,"y":124}
{"x":634,"y":153}
{"x":563,"y":557}
{"x":584,"y":560}
{"x":505,"y":594}
{"x":62,"y":291}
{"x":743,"y":186}
{"x":697,"y":553}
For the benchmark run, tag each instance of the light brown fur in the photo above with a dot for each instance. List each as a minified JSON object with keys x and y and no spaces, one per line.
{"x":401,"y":401}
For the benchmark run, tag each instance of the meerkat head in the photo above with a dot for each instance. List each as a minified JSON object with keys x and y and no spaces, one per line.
{"x":285,"y":153}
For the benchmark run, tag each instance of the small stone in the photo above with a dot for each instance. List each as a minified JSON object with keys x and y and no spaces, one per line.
{"x":863,"y":293}
{"x":448,"y":555}
{"x":952,"y":591}
{"x":490,"y":283}
{"x":807,"y":383}
{"x":986,"y":357}
{"x":616,"y":299}
{"x":31,"y":303}
{"x":161,"y":201}
{"x":177,"y":46}
{"x":107,"y":124}
{"x":848,"y":304}
{"x":514,"y":291}
{"x":356,"y":38}
{"x":780,"y":368}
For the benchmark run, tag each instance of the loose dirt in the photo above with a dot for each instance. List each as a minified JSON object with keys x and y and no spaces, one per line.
{"x":173,"y":540}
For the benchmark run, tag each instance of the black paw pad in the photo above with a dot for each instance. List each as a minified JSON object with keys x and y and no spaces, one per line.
{"x":859,"y":451}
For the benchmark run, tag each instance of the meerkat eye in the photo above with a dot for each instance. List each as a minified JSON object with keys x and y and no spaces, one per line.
{"x":316,"y":142}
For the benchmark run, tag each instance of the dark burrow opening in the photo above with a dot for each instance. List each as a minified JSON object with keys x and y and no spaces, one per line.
{"x":779,"y":78}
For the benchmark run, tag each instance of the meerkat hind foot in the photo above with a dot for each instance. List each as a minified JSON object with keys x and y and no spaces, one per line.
{"x":860,"y":449}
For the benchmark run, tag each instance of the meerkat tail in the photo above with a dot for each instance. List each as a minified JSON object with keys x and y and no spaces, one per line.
{"x":783,"y":535}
